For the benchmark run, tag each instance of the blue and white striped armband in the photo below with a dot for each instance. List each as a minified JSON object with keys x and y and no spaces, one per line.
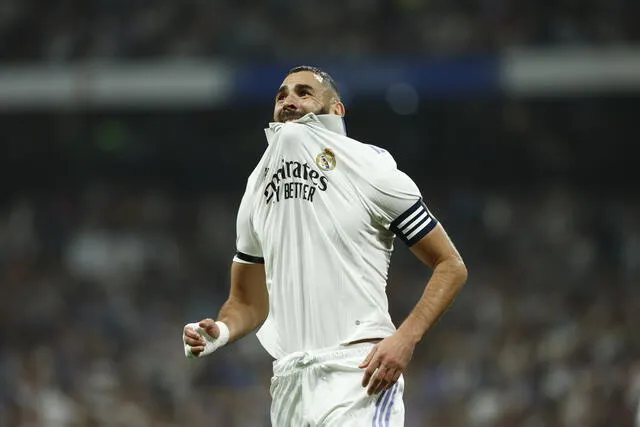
{"x":413,"y":224}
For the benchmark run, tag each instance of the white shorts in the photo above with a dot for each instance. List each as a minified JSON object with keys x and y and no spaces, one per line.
{"x":324,"y":389}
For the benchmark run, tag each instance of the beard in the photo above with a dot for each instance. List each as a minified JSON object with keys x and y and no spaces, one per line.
{"x":287,"y":114}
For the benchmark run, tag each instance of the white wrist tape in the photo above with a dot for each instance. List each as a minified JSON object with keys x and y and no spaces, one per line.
{"x":211,"y":344}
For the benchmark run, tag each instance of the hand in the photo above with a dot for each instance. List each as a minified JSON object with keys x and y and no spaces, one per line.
{"x":194,"y":340}
{"x":386,"y":362}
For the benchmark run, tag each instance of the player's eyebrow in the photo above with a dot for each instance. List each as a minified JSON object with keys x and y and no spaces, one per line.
{"x":301,"y":86}
{"x":298,"y":87}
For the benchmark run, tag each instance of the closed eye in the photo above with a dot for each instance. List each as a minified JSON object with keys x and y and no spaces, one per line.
{"x":304,"y":90}
{"x":301,"y":90}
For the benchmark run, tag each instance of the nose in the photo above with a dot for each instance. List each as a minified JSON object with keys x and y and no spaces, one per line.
{"x":291,"y":100}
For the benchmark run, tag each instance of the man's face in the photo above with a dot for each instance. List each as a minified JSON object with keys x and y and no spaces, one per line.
{"x":302,"y":93}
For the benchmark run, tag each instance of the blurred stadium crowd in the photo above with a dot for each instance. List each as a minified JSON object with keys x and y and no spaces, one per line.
{"x":116,"y":229}
{"x":253,"y":30}
{"x":96,"y":288}
{"x":103,"y":261}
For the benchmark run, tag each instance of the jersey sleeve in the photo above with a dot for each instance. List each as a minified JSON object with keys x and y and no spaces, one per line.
{"x":248,"y":247}
{"x":399,"y":207}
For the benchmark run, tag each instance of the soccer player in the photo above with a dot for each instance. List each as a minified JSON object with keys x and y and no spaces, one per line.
{"x":315,"y":233}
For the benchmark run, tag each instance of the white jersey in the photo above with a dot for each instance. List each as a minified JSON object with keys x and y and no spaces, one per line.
{"x":321,"y":210}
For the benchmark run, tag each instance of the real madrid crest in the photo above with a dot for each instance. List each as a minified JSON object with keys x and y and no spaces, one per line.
{"x":326,"y":160}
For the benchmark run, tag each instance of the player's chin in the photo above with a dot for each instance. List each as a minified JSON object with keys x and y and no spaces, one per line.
{"x":288,"y":119}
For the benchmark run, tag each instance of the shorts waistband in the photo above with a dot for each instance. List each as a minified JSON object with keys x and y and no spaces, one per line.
{"x":303,"y":359}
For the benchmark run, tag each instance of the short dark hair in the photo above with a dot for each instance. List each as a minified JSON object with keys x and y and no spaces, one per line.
{"x":327,"y":80}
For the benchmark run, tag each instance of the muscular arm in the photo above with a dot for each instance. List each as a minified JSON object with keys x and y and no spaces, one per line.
{"x":449,"y":275}
{"x":390,"y":357}
{"x":248,"y":304}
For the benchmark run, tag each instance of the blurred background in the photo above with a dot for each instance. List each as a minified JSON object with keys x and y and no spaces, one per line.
{"x":129,"y":128}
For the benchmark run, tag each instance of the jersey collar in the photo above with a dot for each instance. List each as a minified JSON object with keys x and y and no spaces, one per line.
{"x":331,"y":122}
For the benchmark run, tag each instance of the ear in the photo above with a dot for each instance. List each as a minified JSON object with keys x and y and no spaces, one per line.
{"x":338,"y":108}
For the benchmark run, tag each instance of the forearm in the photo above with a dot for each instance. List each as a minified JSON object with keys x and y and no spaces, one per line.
{"x":248,"y":303}
{"x":241,"y":318}
{"x":445,"y":283}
